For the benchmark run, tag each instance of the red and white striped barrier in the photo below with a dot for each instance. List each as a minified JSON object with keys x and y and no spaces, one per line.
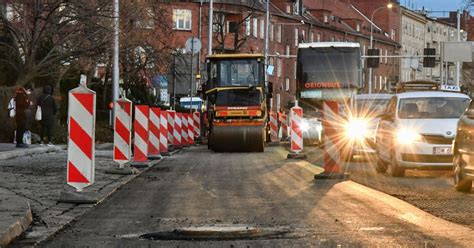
{"x":296,"y":132}
{"x":122,"y":131}
{"x":81,"y":143}
{"x":273,"y":127}
{"x":331,"y":137}
{"x":171,"y":118}
{"x":284,"y":125}
{"x":164,"y":132}
{"x":177,"y":142}
{"x":190,"y":129}
{"x":141,"y":133}
{"x":197,"y":124}
{"x":184,"y":130}
{"x":154,"y":132}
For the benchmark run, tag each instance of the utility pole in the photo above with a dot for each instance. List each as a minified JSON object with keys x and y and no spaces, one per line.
{"x":458,"y":64}
{"x":209,"y":38}
{"x":266,"y":45}
{"x":115,"y":68}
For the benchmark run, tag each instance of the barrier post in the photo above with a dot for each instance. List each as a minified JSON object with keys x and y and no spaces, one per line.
{"x":154,"y":134}
{"x":140,"y":125}
{"x":332,"y":169}
{"x":284,"y":125}
{"x":197,"y":125}
{"x":122,"y":137}
{"x":184,"y":130}
{"x":177,"y":142}
{"x":190,"y":129}
{"x":81,"y":145}
{"x":171,"y":125}
{"x":273,"y":127}
{"x":164,"y":133}
{"x":296,"y":141}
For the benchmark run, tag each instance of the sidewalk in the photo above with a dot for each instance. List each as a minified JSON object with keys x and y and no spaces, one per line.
{"x":30,"y":186}
{"x":9,"y":151}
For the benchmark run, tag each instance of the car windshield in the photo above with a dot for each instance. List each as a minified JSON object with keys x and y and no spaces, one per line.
{"x":369,"y":107}
{"x":237,"y":72}
{"x":432,"y":108}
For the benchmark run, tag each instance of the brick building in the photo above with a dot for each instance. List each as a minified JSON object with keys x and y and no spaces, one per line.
{"x":291,"y":22}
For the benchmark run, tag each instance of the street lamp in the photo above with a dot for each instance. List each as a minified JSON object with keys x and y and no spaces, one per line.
{"x":389,"y":6}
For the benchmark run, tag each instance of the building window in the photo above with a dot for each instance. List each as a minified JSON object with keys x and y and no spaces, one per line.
{"x":287,"y":50}
{"x":279,"y":67}
{"x":380,"y":82}
{"x":318,"y":37}
{"x":296,"y":36}
{"x":294,"y":70}
{"x":303,"y":35}
{"x":271,"y":31}
{"x":247,"y":26}
{"x":311,"y":36}
{"x":278,"y":33}
{"x":326,"y":19}
{"x":358,"y":27}
{"x":182,"y":19}
{"x":262,"y":29}
{"x":287,"y":84}
{"x":393,"y":34}
{"x":278,"y":102}
{"x":386,"y":56}
{"x":255,"y":27}
{"x":288,"y":9}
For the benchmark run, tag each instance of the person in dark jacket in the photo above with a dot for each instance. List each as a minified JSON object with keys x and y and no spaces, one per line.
{"x":49,"y":110}
{"x":22,"y":105}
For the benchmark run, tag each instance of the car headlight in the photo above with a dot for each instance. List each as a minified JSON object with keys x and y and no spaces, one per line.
{"x":407,"y":136}
{"x":304,"y":126}
{"x":357,"y":129}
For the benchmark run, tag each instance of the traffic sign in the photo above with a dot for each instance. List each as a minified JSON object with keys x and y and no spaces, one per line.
{"x":193,"y":45}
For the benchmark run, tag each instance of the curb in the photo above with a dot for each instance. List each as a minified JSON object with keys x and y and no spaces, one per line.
{"x":16,"y":228}
{"x":25,"y":152}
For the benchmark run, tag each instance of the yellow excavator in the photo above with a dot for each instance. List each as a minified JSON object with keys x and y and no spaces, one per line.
{"x":236,"y":102}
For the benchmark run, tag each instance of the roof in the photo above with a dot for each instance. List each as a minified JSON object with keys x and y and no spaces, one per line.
{"x":328,"y":44}
{"x":238,"y":55}
{"x":372,"y":96}
{"x":424,"y":94}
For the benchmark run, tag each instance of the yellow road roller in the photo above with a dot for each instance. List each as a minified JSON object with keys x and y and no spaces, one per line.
{"x":236,"y":102}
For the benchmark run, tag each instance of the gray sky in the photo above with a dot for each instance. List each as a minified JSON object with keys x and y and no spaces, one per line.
{"x":437,"y":5}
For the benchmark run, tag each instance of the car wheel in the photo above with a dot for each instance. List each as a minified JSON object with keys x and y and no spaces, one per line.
{"x":395,"y":170}
{"x":381,"y":166}
{"x":461,"y":184}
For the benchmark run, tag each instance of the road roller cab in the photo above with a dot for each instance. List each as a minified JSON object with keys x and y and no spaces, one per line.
{"x":236,"y":102}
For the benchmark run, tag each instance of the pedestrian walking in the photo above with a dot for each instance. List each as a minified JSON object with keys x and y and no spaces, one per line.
{"x":48,"y":107}
{"x":22,"y":106}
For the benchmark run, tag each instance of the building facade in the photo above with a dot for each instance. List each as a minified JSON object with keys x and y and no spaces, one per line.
{"x":239,"y":26}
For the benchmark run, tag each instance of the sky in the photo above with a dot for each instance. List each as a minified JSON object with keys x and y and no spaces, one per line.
{"x":435,"y":5}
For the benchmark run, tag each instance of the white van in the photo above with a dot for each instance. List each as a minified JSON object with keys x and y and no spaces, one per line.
{"x":417,"y":131}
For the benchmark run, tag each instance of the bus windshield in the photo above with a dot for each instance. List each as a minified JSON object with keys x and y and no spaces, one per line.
{"x":236,"y":72}
{"x":329,"y":67}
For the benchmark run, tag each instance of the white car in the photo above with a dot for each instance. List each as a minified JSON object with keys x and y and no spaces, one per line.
{"x":362,"y":120}
{"x":417,"y":131}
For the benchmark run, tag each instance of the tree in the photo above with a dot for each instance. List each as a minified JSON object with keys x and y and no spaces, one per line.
{"x":39,"y":36}
{"x":231,"y":25}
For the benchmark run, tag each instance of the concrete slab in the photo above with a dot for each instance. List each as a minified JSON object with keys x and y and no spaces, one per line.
{"x":15,"y":218}
{"x":122,"y":171}
{"x":296,"y":156}
{"x":84,"y":197}
{"x":154,"y":157}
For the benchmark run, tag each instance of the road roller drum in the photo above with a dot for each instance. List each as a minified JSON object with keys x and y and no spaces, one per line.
{"x":238,"y":138}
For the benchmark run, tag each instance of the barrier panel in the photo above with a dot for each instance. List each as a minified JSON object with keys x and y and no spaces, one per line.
{"x":154,"y":133}
{"x":171,"y":124}
{"x":164,"y":133}
{"x":141,"y":133}
{"x":190,"y":129}
{"x":197,"y":124}
{"x":273,"y":127}
{"x":177,"y":142}
{"x":184,"y":130}
{"x":122,"y":131}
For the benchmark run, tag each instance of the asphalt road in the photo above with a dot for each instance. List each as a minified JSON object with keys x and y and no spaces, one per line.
{"x":274,"y":199}
{"x":431,"y":191}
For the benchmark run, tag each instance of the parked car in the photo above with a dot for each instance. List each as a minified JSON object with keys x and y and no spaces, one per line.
{"x":417,"y":131}
{"x":463,"y":148}
{"x":362,"y":120}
